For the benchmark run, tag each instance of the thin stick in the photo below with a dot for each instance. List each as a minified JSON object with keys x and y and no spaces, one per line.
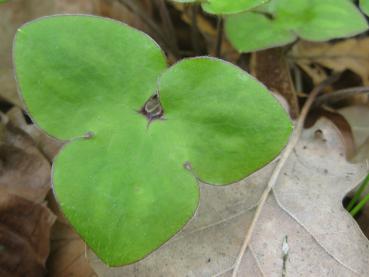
{"x":154,"y":28}
{"x":340,"y":95}
{"x":168,"y":26}
{"x":220,"y":30}
{"x":195,"y":28}
{"x":282,"y":161}
{"x":136,"y":9}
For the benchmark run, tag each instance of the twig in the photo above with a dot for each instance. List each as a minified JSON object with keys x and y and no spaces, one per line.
{"x":168,"y":26}
{"x":340,"y":95}
{"x":195,"y":28}
{"x":282,"y":161}
{"x":135,"y":8}
{"x":220,"y":30}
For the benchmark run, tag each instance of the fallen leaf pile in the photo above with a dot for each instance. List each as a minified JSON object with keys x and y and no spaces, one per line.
{"x":25,"y":221}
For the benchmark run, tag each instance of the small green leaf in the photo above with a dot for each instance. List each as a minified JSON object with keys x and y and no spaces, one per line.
{"x":364,"y":5}
{"x":281,"y":20}
{"x":331,"y":19}
{"x":230,"y":7}
{"x":132,"y":184}
{"x":223,"y":7}
{"x":241,"y":32}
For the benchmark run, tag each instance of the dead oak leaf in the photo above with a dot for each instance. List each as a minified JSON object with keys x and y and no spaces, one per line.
{"x":351,"y":54}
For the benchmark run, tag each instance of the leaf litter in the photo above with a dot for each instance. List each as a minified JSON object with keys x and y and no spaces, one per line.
{"x":257,"y":260}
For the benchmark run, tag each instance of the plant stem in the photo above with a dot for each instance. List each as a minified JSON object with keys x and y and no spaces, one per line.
{"x":220,"y":30}
{"x":340,"y":95}
{"x":134,"y":7}
{"x":282,"y":161}
{"x":195,"y":29}
{"x":358,"y":194}
{"x":355,"y":209}
{"x":168,"y":26}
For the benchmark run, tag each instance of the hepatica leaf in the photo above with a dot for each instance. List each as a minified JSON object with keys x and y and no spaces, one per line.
{"x":226,"y":6}
{"x":132,"y":184}
{"x":364,"y":5}
{"x":281,"y":21}
{"x":230,"y":7}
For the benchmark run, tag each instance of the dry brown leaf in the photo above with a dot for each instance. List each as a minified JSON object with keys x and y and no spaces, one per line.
{"x":47,"y":145}
{"x":351,"y":54}
{"x":340,"y":122}
{"x":358,"y":117}
{"x":24,"y":236}
{"x":324,"y":240}
{"x":271,"y":68}
{"x":68,"y":250}
{"x":24,"y":171}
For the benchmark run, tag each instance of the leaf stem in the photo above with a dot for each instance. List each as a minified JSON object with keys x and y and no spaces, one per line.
{"x":195,"y":28}
{"x":220,"y":31}
{"x":282,"y":161}
{"x":358,"y":194}
{"x":355,"y":209}
{"x":168,"y":26}
{"x":134,"y":7}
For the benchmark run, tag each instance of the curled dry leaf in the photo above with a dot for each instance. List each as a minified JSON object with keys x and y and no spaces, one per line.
{"x":68,"y":250}
{"x":349,"y":54}
{"x":24,"y":170}
{"x":271,"y":68}
{"x":306,"y":206}
{"x":24,"y":236}
{"x":46,"y":144}
{"x":358,"y":117}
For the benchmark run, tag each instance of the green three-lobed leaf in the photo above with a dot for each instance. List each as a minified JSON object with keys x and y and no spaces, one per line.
{"x":280,"y":22}
{"x":132,"y":184}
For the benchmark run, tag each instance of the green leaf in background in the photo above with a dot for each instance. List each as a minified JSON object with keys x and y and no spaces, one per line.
{"x":230,"y":7}
{"x":280,"y":21}
{"x":132,"y":185}
{"x":364,"y":5}
{"x":269,"y":33}
{"x":222,"y":7}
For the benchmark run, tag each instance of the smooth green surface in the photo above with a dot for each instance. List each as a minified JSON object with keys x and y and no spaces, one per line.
{"x":364,"y":5}
{"x":128,"y":189}
{"x":230,"y":7}
{"x":280,"y":21}
{"x":268,"y":34}
{"x":223,"y":7}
